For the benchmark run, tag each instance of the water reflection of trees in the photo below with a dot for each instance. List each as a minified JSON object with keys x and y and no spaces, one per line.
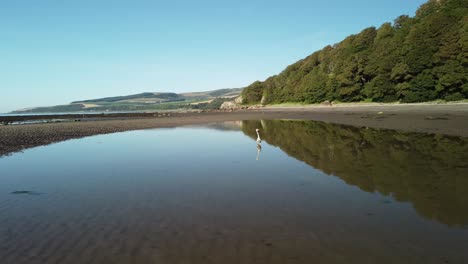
{"x":430,"y":171}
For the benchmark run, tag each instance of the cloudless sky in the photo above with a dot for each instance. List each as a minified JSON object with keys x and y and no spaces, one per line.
{"x":55,"y":52}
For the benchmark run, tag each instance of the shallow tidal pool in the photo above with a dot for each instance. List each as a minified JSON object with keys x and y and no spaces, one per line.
{"x":313,"y":193}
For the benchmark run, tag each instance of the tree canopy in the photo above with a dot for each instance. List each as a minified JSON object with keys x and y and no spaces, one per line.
{"x":413,"y":59}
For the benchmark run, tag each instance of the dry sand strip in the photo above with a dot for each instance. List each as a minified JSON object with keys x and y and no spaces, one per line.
{"x":444,"y":119}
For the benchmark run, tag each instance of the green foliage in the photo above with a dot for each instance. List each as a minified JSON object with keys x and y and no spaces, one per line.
{"x":214,"y":104}
{"x":255,"y":93}
{"x":412,"y":60}
{"x":454,"y":97}
{"x":221,"y":92}
{"x":422,"y":88}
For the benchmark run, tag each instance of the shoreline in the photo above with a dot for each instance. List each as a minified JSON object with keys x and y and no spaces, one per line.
{"x":445,"y":119}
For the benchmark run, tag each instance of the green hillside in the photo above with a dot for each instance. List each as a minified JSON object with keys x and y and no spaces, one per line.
{"x":413,"y":59}
{"x":165,"y":96}
{"x":144,"y":102}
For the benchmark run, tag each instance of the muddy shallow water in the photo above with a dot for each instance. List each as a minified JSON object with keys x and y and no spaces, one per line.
{"x":314,"y":193}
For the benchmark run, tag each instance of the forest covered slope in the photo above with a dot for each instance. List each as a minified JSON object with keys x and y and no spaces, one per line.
{"x":413,"y":59}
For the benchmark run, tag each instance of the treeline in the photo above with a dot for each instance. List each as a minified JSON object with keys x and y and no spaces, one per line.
{"x":413,"y":59}
{"x":213,"y":104}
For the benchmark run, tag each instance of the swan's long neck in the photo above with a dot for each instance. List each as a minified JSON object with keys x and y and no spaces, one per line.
{"x":258,"y":135}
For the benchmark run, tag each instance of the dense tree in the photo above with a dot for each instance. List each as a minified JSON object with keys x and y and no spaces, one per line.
{"x":412,"y":60}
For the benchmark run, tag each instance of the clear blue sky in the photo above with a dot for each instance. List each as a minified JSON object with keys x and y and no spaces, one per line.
{"x":54,"y":52}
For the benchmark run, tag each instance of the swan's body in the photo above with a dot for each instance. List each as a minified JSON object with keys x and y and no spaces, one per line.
{"x":259,"y":140}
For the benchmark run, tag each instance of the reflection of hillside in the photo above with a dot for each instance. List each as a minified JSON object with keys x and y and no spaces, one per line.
{"x":430,"y":171}
{"x":225,"y":126}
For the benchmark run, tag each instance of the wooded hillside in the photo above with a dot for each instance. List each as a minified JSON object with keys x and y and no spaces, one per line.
{"x":413,"y":59}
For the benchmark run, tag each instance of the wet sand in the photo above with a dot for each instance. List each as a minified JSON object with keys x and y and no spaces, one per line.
{"x":447,"y":119}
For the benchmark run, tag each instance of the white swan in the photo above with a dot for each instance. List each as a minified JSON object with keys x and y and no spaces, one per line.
{"x":259,"y":140}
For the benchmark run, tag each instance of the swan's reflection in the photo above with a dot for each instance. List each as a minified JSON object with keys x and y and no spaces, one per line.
{"x":259,"y":143}
{"x":259,"y":149}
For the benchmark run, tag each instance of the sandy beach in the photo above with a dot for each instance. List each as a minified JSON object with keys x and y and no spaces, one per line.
{"x":447,"y":119}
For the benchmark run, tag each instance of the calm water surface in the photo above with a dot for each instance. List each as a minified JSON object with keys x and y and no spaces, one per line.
{"x":315,"y":193}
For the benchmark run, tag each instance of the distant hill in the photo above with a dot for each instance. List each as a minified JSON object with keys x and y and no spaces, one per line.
{"x":413,"y":59}
{"x":144,"y":101}
{"x":154,"y":96}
